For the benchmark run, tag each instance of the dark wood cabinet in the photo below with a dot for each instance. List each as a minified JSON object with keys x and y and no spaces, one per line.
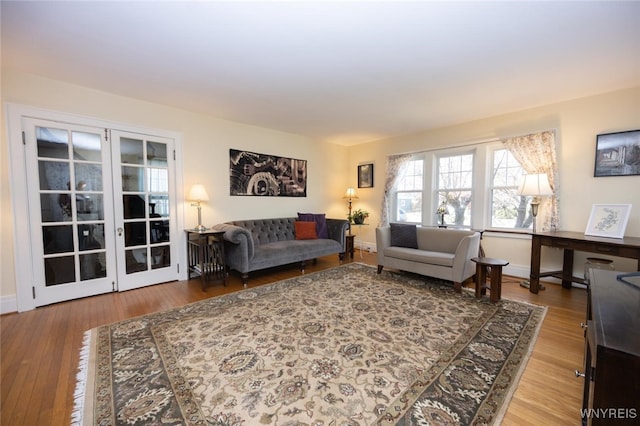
{"x":612,"y":352}
{"x":205,"y":255}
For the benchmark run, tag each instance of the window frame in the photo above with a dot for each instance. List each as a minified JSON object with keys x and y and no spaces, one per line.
{"x":481,"y":189}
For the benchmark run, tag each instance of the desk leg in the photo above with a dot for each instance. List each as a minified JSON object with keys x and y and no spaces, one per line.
{"x":567,"y":268}
{"x":534,"y":277}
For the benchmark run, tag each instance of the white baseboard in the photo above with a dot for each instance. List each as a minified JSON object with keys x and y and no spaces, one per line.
{"x":8,"y":304}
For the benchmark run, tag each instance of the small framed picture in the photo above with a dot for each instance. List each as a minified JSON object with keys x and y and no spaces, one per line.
{"x":365,"y":176}
{"x":618,"y":154}
{"x":608,"y":220}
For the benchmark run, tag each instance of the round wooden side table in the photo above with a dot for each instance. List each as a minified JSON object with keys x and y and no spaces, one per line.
{"x":482,"y":263}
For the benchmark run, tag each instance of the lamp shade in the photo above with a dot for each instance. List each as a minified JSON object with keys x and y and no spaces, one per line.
{"x":198,"y":193}
{"x":351,"y":193}
{"x":535,"y":184}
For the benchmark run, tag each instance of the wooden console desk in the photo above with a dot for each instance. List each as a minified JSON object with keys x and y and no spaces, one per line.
{"x":570,"y":241}
{"x":612,"y":352}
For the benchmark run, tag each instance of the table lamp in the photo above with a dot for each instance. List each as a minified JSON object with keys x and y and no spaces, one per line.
{"x":536,"y":185}
{"x":197,"y":194}
{"x":350,"y":195}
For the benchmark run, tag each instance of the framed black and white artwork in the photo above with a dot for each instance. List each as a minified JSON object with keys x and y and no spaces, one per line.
{"x":255,"y":174}
{"x":618,"y":154}
{"x":365,"y":176}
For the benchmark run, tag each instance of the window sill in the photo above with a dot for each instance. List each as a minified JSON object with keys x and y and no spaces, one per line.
{"x":501,"y":233}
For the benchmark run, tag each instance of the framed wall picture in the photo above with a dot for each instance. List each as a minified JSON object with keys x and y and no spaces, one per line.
{"x":365,"y":176}
{"x":618,"y":154}
{"x":265,"y":175}
{"x":608,"y":220}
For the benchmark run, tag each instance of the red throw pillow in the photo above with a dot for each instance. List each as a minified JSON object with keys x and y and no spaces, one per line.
{"x":305,"y":230}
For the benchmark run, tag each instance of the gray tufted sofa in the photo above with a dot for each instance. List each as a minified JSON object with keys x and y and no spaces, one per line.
{"x":251,"y":245}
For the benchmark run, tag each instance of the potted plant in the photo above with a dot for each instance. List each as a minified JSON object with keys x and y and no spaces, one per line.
{"x":358,"y":216}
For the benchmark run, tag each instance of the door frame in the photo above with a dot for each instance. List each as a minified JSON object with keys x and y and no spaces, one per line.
{"x":22,"y":252}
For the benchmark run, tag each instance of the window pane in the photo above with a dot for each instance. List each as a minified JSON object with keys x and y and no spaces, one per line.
{"x":52,"y":143}
{"x":136,"y":260}
{"x":93,"y":266}
{"x":87,"y":146}
{"x":59,"y":270}
{"x":455,"y":172}
{"x":132,"y":179}
{"x":508,"y":209}
{"x":409,"y":207}
{"x":57,"y":239}
{"x":88,"y":177}
{"x":160,"y":257}
{"x":135,"y":234}
{"x":54,"y":175}
{"x":89,"y":207}
{"x":55,"y":207}
{"x":455,"y":182}
{"x":458,"y":207}
{"x":411,"y":176}
{"x":131,"y":151}
{"x":91,"y":237}
{"x":157,"y":154}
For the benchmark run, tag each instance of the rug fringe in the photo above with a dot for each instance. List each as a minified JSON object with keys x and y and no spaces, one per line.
{"x":81,"y":381}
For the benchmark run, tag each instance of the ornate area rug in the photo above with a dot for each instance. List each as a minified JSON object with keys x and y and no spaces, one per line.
{"x":344,"y":346}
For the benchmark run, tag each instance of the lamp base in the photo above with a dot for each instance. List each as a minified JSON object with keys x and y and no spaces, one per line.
{"x":200,"y":228}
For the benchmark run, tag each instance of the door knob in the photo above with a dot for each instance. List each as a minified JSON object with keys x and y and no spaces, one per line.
{"x":119,"y":230}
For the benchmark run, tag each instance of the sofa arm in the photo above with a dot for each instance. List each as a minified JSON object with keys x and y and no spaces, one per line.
{"x":383,"y":240}
{"x":239,"y":249}
{"x":337,"y":230}
{"x":468,"y":248}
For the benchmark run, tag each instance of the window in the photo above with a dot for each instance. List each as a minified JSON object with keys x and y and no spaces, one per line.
{"x":477,"y":185}
{"x":454,"y":188}
{"x":409,"y":192}
{"x":508,"y":209}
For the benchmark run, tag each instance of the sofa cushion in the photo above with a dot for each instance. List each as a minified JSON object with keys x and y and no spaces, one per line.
{"x":420,"y":256}
{"x":320,"y":221}
{"x":305,"y":230}
{"x":404,"y":235}
{"x":285,"y":252}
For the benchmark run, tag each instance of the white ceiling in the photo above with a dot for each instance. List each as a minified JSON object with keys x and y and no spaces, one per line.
{"x":337,"y":71}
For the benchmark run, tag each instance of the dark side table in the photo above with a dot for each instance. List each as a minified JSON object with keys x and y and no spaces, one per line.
{"x":350,"y":249}
{"x":482,"y":263}
{"x":205,"y":256}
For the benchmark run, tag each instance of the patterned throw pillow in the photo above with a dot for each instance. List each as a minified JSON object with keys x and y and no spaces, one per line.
{"x":404,"y":235}
{"x":305,"y":230}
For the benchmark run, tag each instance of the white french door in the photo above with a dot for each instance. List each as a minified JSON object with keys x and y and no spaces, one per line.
{"x":144,"y":209}
{"x":101,"y":209}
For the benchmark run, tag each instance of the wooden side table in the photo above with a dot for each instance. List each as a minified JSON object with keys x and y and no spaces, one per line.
{"x":350,"y":249}
{"x":205,"y":256}
{"x":496,"y":277}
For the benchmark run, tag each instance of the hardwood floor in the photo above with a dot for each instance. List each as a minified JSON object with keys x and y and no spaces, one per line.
{"x":40,"y":348}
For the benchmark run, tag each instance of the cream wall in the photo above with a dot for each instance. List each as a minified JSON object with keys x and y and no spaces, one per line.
{"x":206,"y":144}
{"x":206,"y":141}
{"x":577,"y":123}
